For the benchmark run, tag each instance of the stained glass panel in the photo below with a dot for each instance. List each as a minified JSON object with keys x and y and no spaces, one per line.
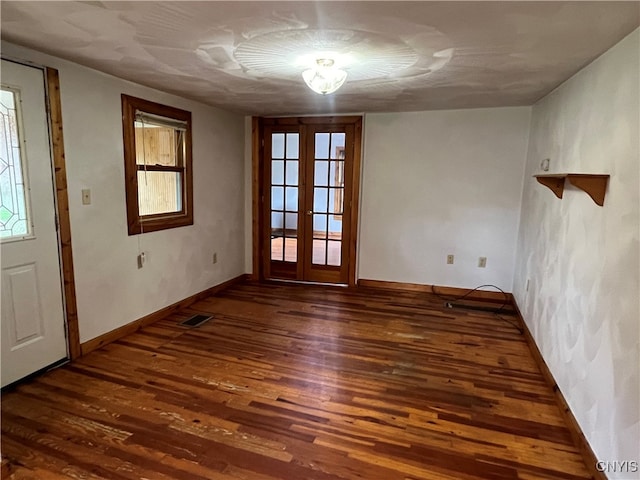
{"x":13,"y":209}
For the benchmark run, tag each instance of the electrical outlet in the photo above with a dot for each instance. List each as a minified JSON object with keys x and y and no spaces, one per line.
{"x":449,"y":259}
{"x":482,"y":262}
{"x":141,"y":259}
{"x":215,"y":257}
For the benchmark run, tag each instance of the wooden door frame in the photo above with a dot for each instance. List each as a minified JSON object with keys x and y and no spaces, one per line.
{"x":257,"y":182}
{"x":53,"y":105}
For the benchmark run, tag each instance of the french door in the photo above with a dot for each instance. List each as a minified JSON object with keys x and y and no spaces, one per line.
{"x":309,"y":195}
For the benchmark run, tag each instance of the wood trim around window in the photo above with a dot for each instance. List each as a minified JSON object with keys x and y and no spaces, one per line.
{"x":150,"y":223}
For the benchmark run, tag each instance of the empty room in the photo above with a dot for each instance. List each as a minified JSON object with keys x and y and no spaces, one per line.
{"x":328,"y":240}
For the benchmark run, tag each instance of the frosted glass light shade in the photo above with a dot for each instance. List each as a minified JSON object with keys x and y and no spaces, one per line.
{"x":324,"y":78}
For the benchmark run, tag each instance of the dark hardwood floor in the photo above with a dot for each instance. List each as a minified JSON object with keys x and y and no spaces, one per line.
{"x":292,"y":382}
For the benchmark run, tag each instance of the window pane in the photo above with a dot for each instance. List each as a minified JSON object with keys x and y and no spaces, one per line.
{"x":277,"y":248}
{"x":319,"y":252}
{"x":277,"y":223}
{"x":292,"y":172}
{"x":337,"y":174}
{"x":291,"y":224}
{"x":277,"y":198}
{"x":291,"y":250}
{"x":337,"y":145}
{"x":333,"y":253}
{"x":291,"y":201}
{"x":159,"y":192}
{"x":13,"y":210}
{"x":320,"y":200}
{"x":322,"y":145}
{"x":292,"y":145}
{"x":277,"y":172}
{"x":321,"y":173}
{"x":319,"y":226}
{"x":157,"y":145}
{"x":277,"y":145}
{"x":336,"y":200}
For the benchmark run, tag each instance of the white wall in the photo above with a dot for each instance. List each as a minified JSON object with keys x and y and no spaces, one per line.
{"x":438,"y":183}
{"x":582,"y":260}
{"x":111,"y":290}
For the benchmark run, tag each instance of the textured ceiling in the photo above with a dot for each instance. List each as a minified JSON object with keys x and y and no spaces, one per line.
{"x":401,"y":56}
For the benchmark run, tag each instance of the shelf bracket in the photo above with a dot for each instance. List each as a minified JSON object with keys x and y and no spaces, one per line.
{"x":554,"y":183}
{"x":594,"y":185}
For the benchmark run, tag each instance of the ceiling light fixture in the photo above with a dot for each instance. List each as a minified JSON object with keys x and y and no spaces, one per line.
{"x":324,"y":78}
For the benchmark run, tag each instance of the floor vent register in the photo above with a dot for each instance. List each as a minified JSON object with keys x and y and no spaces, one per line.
{"x":196,"y":320}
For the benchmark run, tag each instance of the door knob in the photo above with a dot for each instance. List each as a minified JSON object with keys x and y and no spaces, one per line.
{"x":309,"y":212}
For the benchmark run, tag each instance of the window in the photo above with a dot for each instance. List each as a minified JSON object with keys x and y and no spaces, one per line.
{"x":14,"y":208}
{"x":158,"y":165}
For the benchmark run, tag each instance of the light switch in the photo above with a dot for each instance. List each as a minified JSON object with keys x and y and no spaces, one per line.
{"x":86,"y":196}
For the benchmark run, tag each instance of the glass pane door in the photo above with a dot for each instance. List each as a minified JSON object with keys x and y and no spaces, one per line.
{"x":284,"y":194}
{"x":328,"y":198}
{"x":307,"y":192}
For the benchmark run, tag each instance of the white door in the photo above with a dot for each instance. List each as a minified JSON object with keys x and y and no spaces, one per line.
{"x":33,"y":326}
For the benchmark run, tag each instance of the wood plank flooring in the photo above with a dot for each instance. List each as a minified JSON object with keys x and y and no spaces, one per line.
{"x":292,"y":382}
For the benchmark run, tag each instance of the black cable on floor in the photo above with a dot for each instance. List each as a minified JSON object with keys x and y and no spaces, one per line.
{"x":448,"y":299}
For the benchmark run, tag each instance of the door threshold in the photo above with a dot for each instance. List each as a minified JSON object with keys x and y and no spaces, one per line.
{"x":306,"y":282}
